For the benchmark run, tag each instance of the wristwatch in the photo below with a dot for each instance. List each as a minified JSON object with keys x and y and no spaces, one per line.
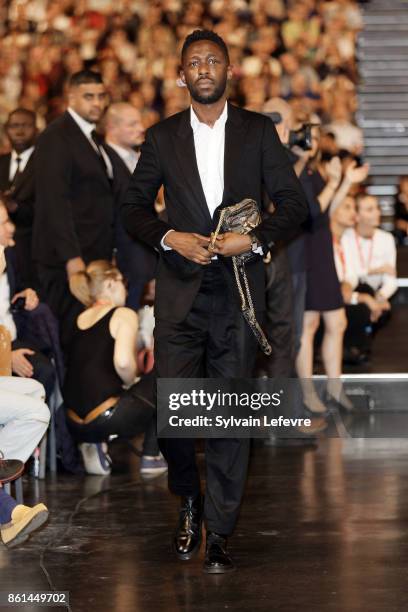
{"x":254,"y":242}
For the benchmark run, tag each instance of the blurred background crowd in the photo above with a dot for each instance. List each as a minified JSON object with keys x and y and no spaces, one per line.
{"x":303,"y":51}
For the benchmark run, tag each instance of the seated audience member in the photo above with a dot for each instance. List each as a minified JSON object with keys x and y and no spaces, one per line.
{"x":26,"y":360}
{"x":401,"y":211}
{"x":361,"y":307}
{"x":102,"y":361}
{"x":24,"y":419}
{"x":372,"y":250}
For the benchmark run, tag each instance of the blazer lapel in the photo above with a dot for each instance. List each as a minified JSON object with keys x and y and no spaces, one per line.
{"x":235,"y":131}
{"x":22,"y":177}
{"x":186,"y":157}
{"x":83,"y":142}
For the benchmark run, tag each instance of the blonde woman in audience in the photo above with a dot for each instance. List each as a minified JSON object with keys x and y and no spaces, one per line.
{"x":103,"y":393}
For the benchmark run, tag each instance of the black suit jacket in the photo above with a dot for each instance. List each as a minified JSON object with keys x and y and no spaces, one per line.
{"x":136,"y":260}
{"x":74,"y":203}
{"x":254,"y":160}
{"x":23,"y":190}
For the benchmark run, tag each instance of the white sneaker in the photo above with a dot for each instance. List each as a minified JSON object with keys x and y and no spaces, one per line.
{"x":153,"y":466}
{"x":96,"y":458}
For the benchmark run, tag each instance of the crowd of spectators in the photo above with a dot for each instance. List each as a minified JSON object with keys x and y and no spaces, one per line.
{"x":301,"y":50}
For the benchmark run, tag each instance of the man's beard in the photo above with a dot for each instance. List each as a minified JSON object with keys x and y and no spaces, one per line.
{"x":209,"y":98}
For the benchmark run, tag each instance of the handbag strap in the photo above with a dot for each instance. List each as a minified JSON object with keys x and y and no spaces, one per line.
{"x":247,"y":307}
{"x":214,"y":235}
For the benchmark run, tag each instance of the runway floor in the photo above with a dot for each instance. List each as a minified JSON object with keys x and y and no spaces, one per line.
{"x":322,"y":529}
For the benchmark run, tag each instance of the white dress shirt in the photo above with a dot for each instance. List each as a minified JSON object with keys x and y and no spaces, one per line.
{"x":24,"y":157}
{"x":128,"y":156}
{"x":209,"y":144}
{"x":6,"y":318}
{"x":87,"y":129}
{"x":366,"y":254}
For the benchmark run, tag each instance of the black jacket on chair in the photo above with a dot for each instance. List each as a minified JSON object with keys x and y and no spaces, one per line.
{"x":74,"y":201}
{"x":254,"y":160}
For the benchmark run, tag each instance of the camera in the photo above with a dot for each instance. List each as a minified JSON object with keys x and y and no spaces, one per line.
{"x":302,"y":137}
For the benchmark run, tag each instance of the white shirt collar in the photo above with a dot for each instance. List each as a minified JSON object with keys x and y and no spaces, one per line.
{"x":195,"y":122}
{"x":86,"y":127}
{"x":24,"y":156}
{"x":121,"y":151}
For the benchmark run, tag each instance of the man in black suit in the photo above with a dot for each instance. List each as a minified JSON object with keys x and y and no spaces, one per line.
{"x":74,"y":203}
{"x":208,"y":157}
{"x":124,"y":132}
{"x":18,"y":186}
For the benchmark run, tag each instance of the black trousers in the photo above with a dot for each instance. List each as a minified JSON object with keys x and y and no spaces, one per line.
{"x":44,"y":371}
{"x":279,"y":319}
{"x":133,"y":414}
{"x":213,"y":342}
{"x":54,"y":290}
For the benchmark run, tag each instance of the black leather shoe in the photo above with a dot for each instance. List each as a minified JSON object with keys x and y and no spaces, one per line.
{"x":10,"y":469}
{"x":187,"y":538}
{"x":217,"y":560}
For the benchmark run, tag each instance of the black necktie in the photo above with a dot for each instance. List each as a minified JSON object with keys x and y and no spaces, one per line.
{"x":17,"y":172}
{"x":98,"y":148}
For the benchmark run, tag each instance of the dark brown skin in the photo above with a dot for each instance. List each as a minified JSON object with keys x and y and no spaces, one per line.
{"x":205,"y":71}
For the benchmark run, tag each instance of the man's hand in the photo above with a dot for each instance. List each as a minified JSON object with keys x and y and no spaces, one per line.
{"x":74,"y":265}
{"x":30,"y":296}
{"x":230,"y":243}
{"x":20,"y":365}
{"x":376,"y":307}
{"x":191,"y":246}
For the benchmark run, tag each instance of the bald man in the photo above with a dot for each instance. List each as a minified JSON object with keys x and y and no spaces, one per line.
{"x":124,"y":134}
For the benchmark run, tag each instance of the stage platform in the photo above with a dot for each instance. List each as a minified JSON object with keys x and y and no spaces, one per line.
{"x":321,"y":530}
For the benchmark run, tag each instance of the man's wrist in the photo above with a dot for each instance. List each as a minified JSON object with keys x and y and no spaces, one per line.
{"x":164,"y":241}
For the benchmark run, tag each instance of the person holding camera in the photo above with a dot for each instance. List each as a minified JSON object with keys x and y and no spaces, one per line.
{"x":322,"y":184}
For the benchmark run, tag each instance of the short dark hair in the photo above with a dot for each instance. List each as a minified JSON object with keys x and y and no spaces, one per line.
{"x":83,"y":77}
{"x":22,"y":111}
{"x":198,"y":35}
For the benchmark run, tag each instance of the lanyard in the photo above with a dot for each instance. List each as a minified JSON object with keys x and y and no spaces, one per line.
{"x":340,"y":252}
{"x":365,"y":264}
